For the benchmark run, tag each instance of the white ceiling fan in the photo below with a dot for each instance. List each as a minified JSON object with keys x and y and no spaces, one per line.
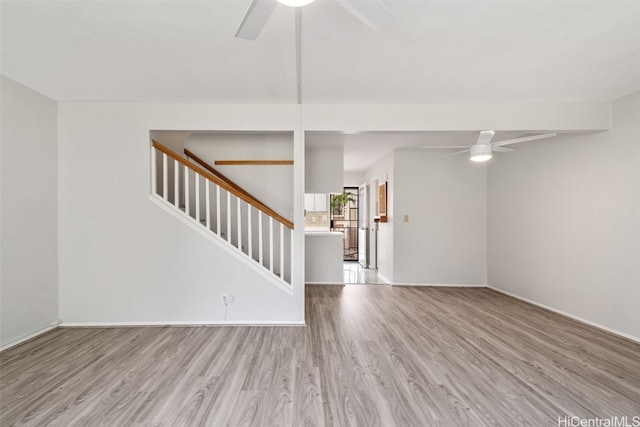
{"x":373,"y":13}
{"x":482,"y":149}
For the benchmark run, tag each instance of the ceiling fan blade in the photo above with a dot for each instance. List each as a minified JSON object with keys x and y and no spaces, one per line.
{"x":374,"y":14}
{"x":460,"y":152}
{"x":523,"y":139}
{"x":445,"y":146}
{"x":485,"y":136}
{"x":502,"y":149}
{"x":256,"y":17}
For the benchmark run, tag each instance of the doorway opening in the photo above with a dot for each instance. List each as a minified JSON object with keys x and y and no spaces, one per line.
{"x":355,"y":274}
{"x":344,"y":218}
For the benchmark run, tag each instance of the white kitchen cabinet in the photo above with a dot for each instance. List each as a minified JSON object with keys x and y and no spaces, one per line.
{"x":316,"y":202}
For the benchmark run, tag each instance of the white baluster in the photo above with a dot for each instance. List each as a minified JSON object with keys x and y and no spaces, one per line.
{"x":165,"y":178}
{"x":249,"y":233}
{"x":292,"y":256}
{"x":218,"y":210}
{"x":208,"y":204}
{"x":176,"y":184}
{"x":197,"y":194}
{"x":239,"y":209}
{"x":271,"y":244}
{"x":228,"y":217}
{"x":186,"y":190}
{"x":154,"y":178}
{"x":260,"y":251}
{"x":281,"y":250}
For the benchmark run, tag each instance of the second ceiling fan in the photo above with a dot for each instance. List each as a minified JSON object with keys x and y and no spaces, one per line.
{"x":373,"y":13}
{"x":482,"y":149}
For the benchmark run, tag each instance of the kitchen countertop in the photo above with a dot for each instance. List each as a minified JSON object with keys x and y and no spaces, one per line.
{"x":324,"y":233}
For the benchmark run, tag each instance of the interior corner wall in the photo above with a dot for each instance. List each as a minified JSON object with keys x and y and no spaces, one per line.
{"x":563,"y":222}
{"x":124,"y":260}
{"x":29,"y":213}
{"x":439,"y":218}
{"x":380,"y":172}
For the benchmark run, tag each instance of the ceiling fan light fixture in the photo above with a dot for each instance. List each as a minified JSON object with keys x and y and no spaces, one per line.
{"x":295,"y":3}
{"x":480,"y":152}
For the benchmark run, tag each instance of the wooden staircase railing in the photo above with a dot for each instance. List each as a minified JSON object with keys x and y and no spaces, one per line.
{"x":247,"y":224}
{"x":228,"y":180}
{"x":224,"y":183}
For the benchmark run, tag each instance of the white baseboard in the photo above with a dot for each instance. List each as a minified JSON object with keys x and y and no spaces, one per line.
{"x":579,"y":319}
{"x":179,"y":324}
{"x":31,"y":336}
{"x":439,"y":285}
{"x":325,"y":283}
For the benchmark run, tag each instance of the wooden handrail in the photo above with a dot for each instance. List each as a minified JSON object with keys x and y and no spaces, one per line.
{"x":217,"y":173}
{"x":226,"y":186}
{"x":220,"y":175}
{"x":254,"y":162}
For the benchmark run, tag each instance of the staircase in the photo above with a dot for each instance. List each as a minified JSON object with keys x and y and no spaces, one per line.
{"x":227,"y":214}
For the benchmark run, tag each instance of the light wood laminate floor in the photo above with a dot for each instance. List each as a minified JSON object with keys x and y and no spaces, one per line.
{"x":371,"y":356}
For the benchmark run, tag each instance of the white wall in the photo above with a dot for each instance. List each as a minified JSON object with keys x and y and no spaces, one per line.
{"x":444,"y":197}
{"x":564,"y":222}
{"x":29,"y":212}
{"x":173,"y":140}
{"x":380,"y":172}
{"x":323,"y":170}
{"x":353,"y":178}
{"x":122,"y":259}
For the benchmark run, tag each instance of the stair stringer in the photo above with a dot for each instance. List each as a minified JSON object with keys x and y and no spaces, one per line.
{"x":228,"y":247}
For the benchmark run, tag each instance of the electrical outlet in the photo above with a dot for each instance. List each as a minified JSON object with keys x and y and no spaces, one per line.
{"x":227,"y":298}
{"x":414,"y":268}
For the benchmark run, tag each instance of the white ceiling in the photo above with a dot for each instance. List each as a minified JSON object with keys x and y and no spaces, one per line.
{"x":433,"y":52}
{"x":446,"y":51}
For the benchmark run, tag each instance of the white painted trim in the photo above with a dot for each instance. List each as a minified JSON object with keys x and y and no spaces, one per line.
{"x":31,"y":336}
{"x":195,"y":323}
{"x":232,"y":250}
{"x":577,"y":116}
{"x":571,"y":316}
{"x":326,"y":283}
{"x":441,"y":285}
{"x":297,"y":234}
